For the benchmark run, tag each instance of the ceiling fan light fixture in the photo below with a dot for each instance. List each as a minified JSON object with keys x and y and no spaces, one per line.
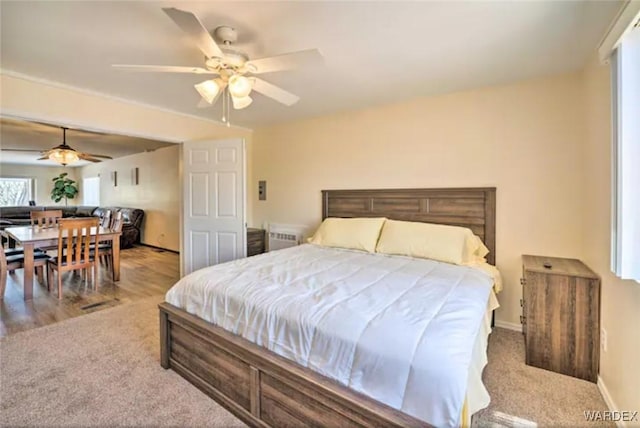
{"x":63,"y":156}
{"x":231,"y":66}
{"x":239,"y":86}
{"x":240,"y":103}
{"x":208,"y":90}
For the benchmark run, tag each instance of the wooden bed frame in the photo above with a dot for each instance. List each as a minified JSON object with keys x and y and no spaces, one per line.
{"x":266,"y":390}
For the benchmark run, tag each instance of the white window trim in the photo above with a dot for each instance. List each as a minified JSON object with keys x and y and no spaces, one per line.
{"x":626,"y":18}
{"x":32,"y":182}
{"x":625,"y":152}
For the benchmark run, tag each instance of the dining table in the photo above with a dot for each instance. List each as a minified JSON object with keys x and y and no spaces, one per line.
{"x":32,"y":237}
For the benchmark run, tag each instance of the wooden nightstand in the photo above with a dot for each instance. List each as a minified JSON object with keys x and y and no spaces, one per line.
{"x":255,"y":241}
{"x":561,"y":316}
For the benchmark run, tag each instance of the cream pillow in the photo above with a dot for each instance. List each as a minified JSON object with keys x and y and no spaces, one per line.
{"x":451,"y":244}
{"x":475,"y":250}
{"x":352,"y":233}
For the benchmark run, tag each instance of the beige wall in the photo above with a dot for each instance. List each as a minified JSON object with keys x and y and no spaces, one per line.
{"x":158,"y":192}
{"x":42,"y":176}
{"x":524,"y":139}
{"x":620,"y":300}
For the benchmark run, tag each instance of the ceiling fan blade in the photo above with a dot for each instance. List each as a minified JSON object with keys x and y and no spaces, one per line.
{"x":21,"y":150}
{"x":87,"y":157}
{"x":190,"y":24}
{"x":97,"y":156}
{"x":163,"y":69}
{"x":43,"y":158}
{"x":289,"y":61}
{"x":273,"y":91}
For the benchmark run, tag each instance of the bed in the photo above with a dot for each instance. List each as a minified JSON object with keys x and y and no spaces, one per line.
{"x":263,"y":388}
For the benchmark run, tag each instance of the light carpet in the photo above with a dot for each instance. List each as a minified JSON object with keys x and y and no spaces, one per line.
{"x":103,"y":369}
{"x":100,"y":369}
{"x":521,"y":394}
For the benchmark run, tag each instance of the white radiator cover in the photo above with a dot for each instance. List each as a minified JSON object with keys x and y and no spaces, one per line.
{"x":281,"y":236}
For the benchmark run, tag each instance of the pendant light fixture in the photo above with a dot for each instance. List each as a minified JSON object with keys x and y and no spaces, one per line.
{"x":63,"y":154}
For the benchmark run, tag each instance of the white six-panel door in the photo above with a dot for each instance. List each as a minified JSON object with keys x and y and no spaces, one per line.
{"x":213,"y":218}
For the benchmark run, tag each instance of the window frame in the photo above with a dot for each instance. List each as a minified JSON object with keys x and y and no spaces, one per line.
{"x":623,"y":148}
{"x":31,"y":187}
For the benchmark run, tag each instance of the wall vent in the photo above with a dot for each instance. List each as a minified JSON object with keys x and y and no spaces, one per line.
{"x":284,"y":236}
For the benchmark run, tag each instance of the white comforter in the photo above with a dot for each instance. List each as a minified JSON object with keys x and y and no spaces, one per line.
{"x":398,"y":329}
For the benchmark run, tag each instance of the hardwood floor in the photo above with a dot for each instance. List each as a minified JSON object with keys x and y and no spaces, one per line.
{"x":144,"y":272}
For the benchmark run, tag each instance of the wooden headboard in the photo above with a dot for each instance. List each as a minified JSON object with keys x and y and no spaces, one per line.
{"x":473,"y":207}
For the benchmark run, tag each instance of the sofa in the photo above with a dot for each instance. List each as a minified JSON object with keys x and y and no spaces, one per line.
{"x":132,"y":218}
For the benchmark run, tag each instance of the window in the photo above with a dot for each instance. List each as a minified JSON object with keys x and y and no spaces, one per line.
{"x":91,"y":191}
{"x":625,"y":245}
{"x":15,"y":191}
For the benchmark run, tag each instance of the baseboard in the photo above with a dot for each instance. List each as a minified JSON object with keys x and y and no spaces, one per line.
{"x":509,"y":325}
{"x":609,"y":401}
{"x":159,"y":248}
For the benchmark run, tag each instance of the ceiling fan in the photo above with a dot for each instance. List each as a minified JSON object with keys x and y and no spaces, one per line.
{"x":233,"y":68}
{"x":64,"y":154}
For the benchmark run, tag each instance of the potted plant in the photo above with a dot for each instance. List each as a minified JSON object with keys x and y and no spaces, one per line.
{"x":63,"y":187}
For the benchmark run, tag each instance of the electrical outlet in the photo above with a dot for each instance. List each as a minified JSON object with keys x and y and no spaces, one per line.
{"x":603,"y":339}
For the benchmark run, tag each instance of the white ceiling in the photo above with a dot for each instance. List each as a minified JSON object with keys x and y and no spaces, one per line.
{"x":375,"y":52}
{"x":23,"y":135}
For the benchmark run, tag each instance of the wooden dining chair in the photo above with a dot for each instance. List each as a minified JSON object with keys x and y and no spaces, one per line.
{"x":47,"y":218}
{"x":74,"y":250}
{"x":106,"y":248}
{"x":105,"y":220}
{"x":9,"y":263}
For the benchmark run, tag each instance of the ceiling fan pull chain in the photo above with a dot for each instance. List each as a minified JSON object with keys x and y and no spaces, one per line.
{"x":228,"y":108}
{"x":224,"y":103}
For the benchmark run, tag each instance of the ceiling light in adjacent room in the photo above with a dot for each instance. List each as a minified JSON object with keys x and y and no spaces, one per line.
{"x":63,"y":156}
